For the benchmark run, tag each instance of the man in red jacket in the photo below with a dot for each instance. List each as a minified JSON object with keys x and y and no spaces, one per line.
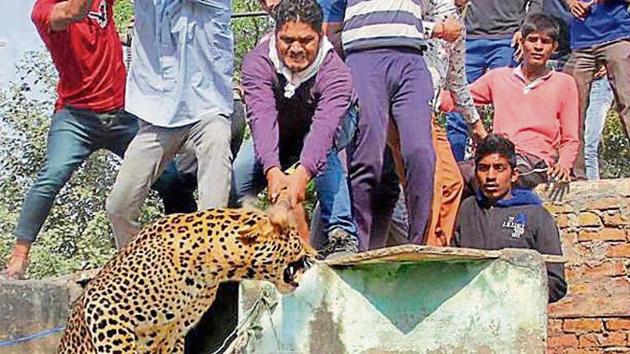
{"x":86,"y":51}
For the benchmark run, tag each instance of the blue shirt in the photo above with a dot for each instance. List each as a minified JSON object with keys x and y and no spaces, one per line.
{"x":333,"y":10}
{"x":182,"y":64}
{"x":607,"y":22}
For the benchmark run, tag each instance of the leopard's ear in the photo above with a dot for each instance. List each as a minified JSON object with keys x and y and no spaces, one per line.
{"x":260,"y":231}
{"x":280,"y":215}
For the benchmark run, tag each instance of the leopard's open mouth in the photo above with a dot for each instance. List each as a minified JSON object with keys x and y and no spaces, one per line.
{"x":294,"y":270}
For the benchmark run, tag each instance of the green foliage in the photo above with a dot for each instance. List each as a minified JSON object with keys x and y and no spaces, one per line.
{"x":77,"y":232}
{"x":614,"y":149}
{"x":247,"y":31}
{"x":123,"y":13}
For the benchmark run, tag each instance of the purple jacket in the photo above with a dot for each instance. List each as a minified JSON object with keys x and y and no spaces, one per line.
{"x":305,"y":123}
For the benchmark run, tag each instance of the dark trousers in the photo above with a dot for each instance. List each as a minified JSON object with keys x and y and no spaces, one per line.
{"x":391,"y":82}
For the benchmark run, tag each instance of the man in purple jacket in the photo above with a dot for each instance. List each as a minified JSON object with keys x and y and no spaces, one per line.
{"x":298,"y":94}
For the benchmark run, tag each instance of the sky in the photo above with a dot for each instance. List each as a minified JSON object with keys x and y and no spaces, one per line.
{"x":17,"y":35}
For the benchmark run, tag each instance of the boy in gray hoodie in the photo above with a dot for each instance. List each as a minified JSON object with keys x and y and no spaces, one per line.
{"x":501,"y":216}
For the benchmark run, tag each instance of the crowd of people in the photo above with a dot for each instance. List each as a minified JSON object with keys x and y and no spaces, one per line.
{"x":344,"y":94}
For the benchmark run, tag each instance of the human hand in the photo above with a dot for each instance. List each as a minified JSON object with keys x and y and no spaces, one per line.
{"x":277,"y":181}
{"x":559,"y":173}
{"x":558,"y":185}
{"x":447,"y":103}
{"x":461,"y":3}
{"x":296,"y":185}
{"x":602,"y":72}
{"x":449,"y":30}
{"x":478,"y":131}
{"x":268,"y":5}
{"x":580,"y":9}
{"x":516,"y":42}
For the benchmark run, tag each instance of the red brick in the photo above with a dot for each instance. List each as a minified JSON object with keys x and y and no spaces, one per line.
{"x":616,"y":219}
{"x":583,"y":325}
{"x":554,"y":327}
{"x":608,"y":339}
{"x":579,"y":288}
{"x":615,"y":339}
{"x":582,"y":351}
{"x":565,"y":340}
{"x":606,"y":269}
{"x":621,"y":250}
{"x":605,"y":234}
{"x":590,"y":341}
{"x":615,"y":324}
{"x":563,"y":221}
{"x":573,"y":274}
{"x":617,"y":350}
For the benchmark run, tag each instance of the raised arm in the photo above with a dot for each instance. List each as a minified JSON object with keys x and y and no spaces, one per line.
{"x":65,"y":13}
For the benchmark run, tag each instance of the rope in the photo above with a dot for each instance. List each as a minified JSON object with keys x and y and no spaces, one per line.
{"x":42,"y":334}
{"x":247,"y":327}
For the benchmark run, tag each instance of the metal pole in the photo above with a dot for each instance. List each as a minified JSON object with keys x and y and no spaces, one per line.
{"x":249,"y":14}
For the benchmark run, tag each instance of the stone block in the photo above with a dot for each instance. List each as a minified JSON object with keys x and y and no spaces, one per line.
{"x":619,"y":251}
{"x":408,"y":307}
{"x":582,"y":325}
{"x":589,"y":219}
{"x":605,"y":269}
{"x":605,"y":234}
{"x":618,"y":324}
{"x":616,"y":219}
{"x":607,"y":203}
{"x":608,"y":339}
{"x":32,"y":306}
{"x":563,"y":341}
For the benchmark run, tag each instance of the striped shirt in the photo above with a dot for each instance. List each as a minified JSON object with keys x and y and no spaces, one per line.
{"x":382,"y":23}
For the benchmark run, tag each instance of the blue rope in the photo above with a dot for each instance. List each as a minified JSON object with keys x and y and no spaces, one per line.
{"x":30,"y":337}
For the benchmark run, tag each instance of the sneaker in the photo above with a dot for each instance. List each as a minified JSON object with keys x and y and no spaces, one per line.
{"x":339,"y":243}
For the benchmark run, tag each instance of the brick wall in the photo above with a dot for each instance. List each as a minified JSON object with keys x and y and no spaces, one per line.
{"x":594,"y":221}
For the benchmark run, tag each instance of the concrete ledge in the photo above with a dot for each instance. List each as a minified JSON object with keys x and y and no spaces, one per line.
{"x":32,"y":306}
{"x":492,"y":303}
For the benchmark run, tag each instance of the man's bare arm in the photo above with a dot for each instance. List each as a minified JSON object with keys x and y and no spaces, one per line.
{"x":67,"y":12}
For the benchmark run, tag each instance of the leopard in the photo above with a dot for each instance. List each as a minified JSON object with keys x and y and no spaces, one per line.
{"x":156,"y":289}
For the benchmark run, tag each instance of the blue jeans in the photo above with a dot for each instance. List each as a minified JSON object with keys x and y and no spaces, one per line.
{"x":600,"y":100}
{"x":481,"y":56}
{"x":72,"y":137}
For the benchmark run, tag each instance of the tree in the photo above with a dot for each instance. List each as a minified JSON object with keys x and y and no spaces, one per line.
{"x":77,"y":233}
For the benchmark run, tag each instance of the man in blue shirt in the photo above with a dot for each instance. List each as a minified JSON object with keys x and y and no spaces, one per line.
{"x":600,"y":35}
{"x":180,"y":87}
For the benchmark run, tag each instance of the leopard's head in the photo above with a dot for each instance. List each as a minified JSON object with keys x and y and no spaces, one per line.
{"x":278,"y":253}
